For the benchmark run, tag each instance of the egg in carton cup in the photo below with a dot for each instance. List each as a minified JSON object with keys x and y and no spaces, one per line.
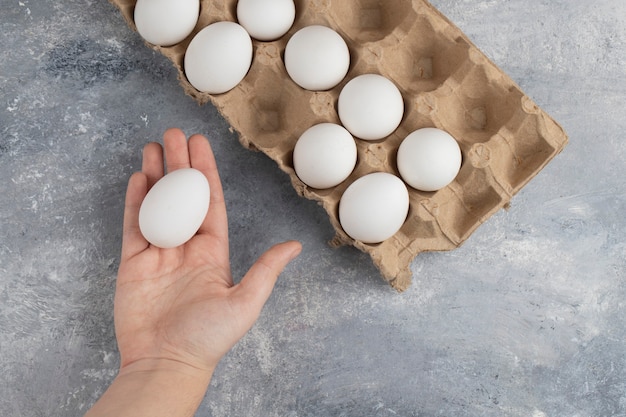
{"x":445,"y":81}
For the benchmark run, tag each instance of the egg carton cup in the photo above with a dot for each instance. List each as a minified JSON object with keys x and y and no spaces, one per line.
{"x":446,"y":82}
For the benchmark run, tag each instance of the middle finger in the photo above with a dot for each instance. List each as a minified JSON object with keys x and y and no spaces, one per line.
{"x":176,"y":150}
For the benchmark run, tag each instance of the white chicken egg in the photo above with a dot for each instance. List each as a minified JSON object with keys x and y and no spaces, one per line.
{"x":429,"y":159}
{"x":218,"y":57}
{"x":370,"y":106}
{"x":166,"y":22}
{"x":374,"y":207}
{"x":324,"y":155}
{"x":174,"y":208}
{"x":317,"y":58}
{"x":266,"y":20}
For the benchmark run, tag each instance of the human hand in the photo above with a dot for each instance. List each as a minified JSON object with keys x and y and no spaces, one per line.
{"x":177,"y":311}
{"x":180,"y":304}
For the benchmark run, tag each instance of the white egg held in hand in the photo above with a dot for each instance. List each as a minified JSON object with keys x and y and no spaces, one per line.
{"x":218,"y":57}
{"x":174,"y":208}
{"x":317,"y":58}
{"x":324,"y":155}
{"x":374,"y":207}
{"x":266,"y":20}
{"x":166,"y":22}
{"x":429,"y":159}
{"x":370,"y":106}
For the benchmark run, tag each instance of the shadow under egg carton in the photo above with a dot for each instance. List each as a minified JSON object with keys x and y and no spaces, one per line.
{"x":446,"y":82}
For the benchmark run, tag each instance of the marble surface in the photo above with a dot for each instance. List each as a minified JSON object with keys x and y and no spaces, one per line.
{"x":525,"y":319}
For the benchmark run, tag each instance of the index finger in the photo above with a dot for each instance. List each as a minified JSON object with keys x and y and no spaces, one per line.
{"x":202,"y":158}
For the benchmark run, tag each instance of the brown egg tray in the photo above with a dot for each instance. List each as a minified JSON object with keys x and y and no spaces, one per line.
{"x":446,"y":83}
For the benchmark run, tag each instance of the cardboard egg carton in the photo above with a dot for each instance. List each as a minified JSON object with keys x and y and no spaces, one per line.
{"x":446,"y":83}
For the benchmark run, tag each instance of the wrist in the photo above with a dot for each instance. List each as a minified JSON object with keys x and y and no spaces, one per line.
{"x":154,"y":387}
{"x":157,"y":367}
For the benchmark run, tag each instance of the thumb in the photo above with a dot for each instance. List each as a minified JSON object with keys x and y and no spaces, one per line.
{"x":257,"y":285}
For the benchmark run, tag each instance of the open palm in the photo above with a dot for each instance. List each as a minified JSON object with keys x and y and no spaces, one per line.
{"x":180,"y":304}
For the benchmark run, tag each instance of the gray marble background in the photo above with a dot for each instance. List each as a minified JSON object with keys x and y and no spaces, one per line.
{"x":525,"y":319}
